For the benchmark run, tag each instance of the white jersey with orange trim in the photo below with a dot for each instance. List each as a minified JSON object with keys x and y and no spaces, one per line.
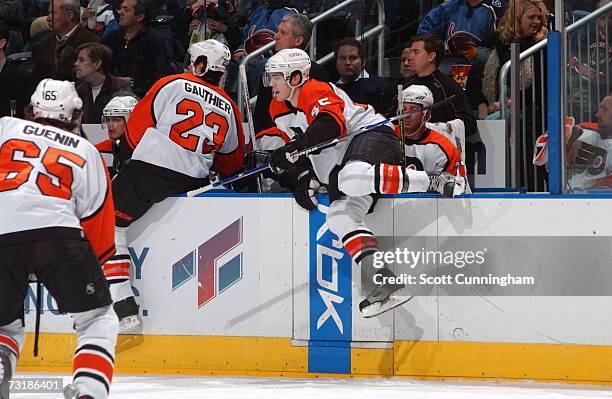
{"x":433,"y":152}
{"x":187,"y":125}
{"x":321,"y":97}
{"x":53,"y":182}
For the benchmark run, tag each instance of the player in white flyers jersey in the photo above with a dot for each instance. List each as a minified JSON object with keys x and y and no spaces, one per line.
{"x":56,"y":223}
{"x":355,"y":170}
{"x":183,"y":128}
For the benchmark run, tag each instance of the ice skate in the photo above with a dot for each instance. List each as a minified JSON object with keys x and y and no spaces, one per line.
{"x":446,"y":184}
{"x":71,"y":392}
{"x":6,"y":372}
{"x":128,"y":313}
{"x":384,"y":297}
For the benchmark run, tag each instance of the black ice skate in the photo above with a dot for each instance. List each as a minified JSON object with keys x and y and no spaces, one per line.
{"x":6,"y":372}
{"x":128,"y":313}
{"x":384,"y":297}
{"x":446,"y":184}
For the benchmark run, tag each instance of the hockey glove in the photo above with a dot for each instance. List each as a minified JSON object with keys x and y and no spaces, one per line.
{"x":281,"y":159}
{"x":302,"y":181}
{"x":305,"y":192}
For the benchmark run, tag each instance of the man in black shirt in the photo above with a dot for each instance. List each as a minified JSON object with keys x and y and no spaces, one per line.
{"x":293,"y":32}
{"x":426,"y":52}
{"x":140,"y":55}
{"x":361,"y":86}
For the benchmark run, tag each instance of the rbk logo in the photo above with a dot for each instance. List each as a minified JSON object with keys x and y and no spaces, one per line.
{"x":215,"y":272}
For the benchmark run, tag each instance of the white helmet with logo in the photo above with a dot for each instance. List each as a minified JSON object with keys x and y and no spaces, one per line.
{"x":217,"y":55}
{"x":120,"y":106}
{"x":417,"y":94}
{"x":287,"y":62}
{"x":55,"y":99}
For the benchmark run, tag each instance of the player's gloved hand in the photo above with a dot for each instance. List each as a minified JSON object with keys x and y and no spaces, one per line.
{"x":281,"y":159}
{"x":306,"y":189}
{"x":254,"y":158}
{"x":301,"y":180}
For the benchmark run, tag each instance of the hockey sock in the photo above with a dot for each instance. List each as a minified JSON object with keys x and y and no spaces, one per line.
{"x":94,"y":357}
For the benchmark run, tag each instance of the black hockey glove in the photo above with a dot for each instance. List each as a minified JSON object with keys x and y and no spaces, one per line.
{"x":304,"y":185}
{"x":281,"y":159}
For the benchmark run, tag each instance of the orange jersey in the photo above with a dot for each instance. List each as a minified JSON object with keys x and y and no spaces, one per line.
{"x":187,"y":125}
{"x":315,"y":99}
{"x":53,"y":181}
{"x":433,"y":152}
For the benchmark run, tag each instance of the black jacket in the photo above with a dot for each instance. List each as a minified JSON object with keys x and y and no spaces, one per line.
{"x":374,"y":90}
{"x":146,"y":58}
{"x":442,"y":87}
{"x":261,"y":114}
{"x":92,"y":110}
{"x":15,"y":84}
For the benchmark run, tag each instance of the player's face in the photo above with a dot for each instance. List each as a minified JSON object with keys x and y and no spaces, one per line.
{"x":419,"y":59}
{"x":280,"y":88}
{"x":116,"y":126}
{"x":285,"y":38}
{"x":412,"y":122}
{"x":405,"y":68}
{"x":531,"y":22}
{"x":83,"y":66}
{"x":604,"y":114}
{"x":348,"y":61}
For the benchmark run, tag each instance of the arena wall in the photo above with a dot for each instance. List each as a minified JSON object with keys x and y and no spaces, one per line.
{"x":285,"y":293}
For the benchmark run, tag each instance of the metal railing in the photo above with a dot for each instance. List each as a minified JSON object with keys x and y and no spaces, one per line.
{"x":376,"y":30}
{"x":581,"y":104}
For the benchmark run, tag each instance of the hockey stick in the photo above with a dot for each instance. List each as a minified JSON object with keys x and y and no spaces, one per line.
{"x":249,"y":115}
{"x":315,"y":148}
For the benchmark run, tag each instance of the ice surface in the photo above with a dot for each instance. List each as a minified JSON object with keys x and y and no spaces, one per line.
{"x":171,"y":387}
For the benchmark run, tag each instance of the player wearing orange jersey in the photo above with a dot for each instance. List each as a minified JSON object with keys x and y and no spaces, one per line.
{"x":355,"y":170}
{"x":57,"y":223}
{"x":185,"y":127}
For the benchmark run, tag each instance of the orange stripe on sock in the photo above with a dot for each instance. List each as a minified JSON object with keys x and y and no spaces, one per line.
{"x":10,"y":342}
{"x":95,"y":362}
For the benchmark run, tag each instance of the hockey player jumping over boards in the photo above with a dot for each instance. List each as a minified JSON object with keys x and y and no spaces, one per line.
{"x":183,"y":128}
{"x":355,"y":170}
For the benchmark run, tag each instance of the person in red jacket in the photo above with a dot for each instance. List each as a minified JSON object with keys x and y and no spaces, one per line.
{"x":184,"y":128}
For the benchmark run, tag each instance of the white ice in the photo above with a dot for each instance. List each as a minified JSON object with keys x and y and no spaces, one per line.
{"x":179,"y":387}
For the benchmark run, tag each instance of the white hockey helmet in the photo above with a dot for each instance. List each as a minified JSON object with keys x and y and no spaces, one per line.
{"x":417,"y":94}
{"x":217,"y":55}
{"x":287,"y":62}
{"x":120,"y":106}
{"x":55,"y":99}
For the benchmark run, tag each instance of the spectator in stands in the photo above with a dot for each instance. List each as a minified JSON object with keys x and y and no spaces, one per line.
{"x":462,"y":24}
{"x":361,"y":86}
{"x":207,"y":19}
{"x":426,"y":51}
{"x":97,"y":15}
{"x":591,"y":69}
{"x":259,"y":30}
{"x":530,"y":18}
{"x":69,"y":35}
{"x":140,"y":55}
{"x":96,"y":86}
{"x":16,"y":85}
{"x":294,"y":31}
